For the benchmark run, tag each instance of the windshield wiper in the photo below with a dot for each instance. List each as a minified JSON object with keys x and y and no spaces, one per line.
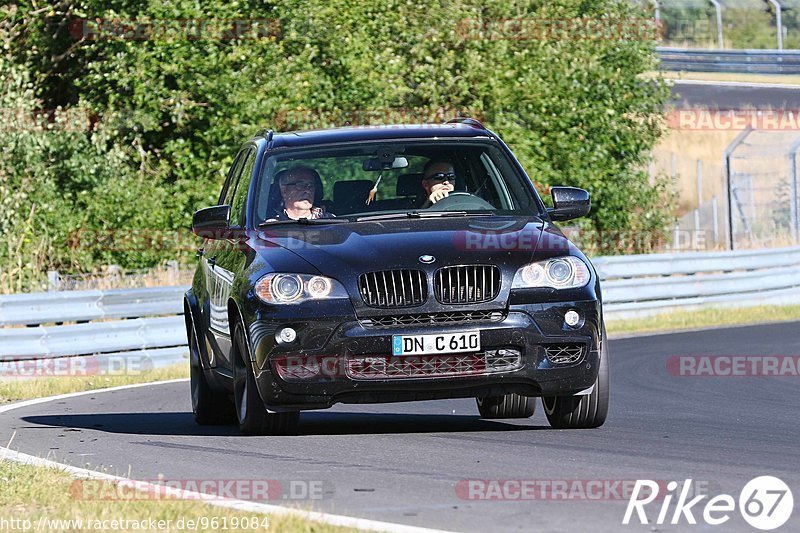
{"x":437,"y":214}
{"x":424,"y":214}
{"x":305,"y":222}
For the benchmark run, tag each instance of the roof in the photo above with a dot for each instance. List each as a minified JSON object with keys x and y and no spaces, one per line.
{"x":294,"y":139}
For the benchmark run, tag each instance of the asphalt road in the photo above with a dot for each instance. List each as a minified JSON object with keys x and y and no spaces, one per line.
{"x":403,"y":462}
{"x":722,"y":96}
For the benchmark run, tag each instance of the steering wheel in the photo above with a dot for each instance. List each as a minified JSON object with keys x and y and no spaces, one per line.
{"x":461,"y":201}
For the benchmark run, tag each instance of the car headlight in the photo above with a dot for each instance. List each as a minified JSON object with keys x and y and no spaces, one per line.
{"x":566,"y":272}
{"x":279,"y":288}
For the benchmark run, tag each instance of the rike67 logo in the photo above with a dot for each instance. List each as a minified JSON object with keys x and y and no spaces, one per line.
{"x":765,"y":503}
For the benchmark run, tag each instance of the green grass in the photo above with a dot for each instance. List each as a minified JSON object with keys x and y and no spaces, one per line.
{"x":12,"y":390}
{"x":706,"y":318}
{"x":33,"y":493}
{"x":787,"y":79}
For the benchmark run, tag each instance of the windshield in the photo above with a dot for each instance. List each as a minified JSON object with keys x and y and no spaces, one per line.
{"x":380,"y":180}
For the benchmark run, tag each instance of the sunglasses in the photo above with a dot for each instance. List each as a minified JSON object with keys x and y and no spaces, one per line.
{"x":442,"y":176}
{"x":299,"y":185}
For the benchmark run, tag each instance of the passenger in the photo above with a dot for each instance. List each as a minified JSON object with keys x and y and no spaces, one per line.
{"x":438,"y":180}
{"x":298,"y":188}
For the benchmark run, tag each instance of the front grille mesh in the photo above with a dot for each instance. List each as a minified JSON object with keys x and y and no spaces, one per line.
{"x":423,"y":366}
{"x":431,"y":319}
{"x":563,"y":353}
{"x":393,"y":288}
{"x":467,"y":284}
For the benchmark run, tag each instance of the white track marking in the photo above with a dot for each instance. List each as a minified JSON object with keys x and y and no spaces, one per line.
{"x":228,"y":503}
{"x":753,"y":85}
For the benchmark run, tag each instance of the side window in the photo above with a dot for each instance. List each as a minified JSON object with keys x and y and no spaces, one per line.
{"x":239,"y":200}
{"x":230,"y":182}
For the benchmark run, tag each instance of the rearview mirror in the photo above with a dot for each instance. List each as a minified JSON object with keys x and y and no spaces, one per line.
{"x":569,"y":203}
{"x":384,"y":163}
{"x":211,"y":222}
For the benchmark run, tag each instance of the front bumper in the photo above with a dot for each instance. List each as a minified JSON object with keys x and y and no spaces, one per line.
{"x":531,"y":330}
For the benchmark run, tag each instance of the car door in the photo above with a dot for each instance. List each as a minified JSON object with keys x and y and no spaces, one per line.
{"x":228,"y":257}
{"x":213,"y":308}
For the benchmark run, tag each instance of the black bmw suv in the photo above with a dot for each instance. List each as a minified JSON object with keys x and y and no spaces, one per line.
{"x":389,"y":264}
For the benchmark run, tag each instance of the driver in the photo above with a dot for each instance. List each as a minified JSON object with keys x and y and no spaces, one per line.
{"x":438,"y":180}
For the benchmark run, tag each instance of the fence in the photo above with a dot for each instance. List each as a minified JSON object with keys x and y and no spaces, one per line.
{"x":751,"y":200}
{"x":726,"y":23}
{"x":762,"y":188}
{"x":633,"y":286}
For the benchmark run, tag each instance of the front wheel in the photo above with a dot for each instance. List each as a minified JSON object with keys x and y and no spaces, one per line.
{"x":506,"y":406}
{"x":253,"y":416}
{"x":210,"y":407}
{"x":582,"y":412}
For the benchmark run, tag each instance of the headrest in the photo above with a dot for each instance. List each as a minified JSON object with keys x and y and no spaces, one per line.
{"x":346,"y":190}
{"x":410,"y":184}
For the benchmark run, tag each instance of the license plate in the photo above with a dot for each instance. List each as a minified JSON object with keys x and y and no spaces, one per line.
{"x":429,"y":344}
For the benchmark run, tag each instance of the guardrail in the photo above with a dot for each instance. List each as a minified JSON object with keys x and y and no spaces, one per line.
{"x":752,"y":61}
{"x":642,"y":285}
{"x":151,"y":333}
{"x":152,"y":329}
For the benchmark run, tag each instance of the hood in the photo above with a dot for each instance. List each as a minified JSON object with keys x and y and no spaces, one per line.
{"x":380,"y":245}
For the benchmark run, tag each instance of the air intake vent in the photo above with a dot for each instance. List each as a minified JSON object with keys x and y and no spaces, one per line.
{"x":561,"y":354}
{"x":394,"y":288}
{"x":425,"y":366}
{"x":467,"y":284}
{"x":432,"y":319}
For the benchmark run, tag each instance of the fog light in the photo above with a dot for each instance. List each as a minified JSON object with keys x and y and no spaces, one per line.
{"x":572,"y":318}
{"x":287,"y":335}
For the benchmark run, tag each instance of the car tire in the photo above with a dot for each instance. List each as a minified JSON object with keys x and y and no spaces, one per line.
{"x":506,"y":406}
{"x":210,"y":408}
{"x":582,"y":412}
{"x":250,"y":410}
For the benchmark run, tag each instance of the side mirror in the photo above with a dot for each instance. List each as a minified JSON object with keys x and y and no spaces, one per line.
{"x":569,"y":203}
{"x":211,"y":222}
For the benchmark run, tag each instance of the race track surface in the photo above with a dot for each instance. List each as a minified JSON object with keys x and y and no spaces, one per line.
{"x":725,"y":97}
{"x":403,"y":462}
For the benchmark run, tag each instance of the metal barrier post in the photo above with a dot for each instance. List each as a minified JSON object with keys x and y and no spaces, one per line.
{"x":53,"y":280}
{"x":793,"y":207}
{"x":715,"y":216}
{"x":726,"y":161}
{"x":718,"y":9}
{"x":657,"y":6}
{"x":778,"y":22}
{"x":699,"y":182}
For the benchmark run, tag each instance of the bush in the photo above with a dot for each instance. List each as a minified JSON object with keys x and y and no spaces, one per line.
{"x":169,"y":114}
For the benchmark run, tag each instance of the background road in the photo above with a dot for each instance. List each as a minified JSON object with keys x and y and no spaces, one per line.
{"x":723,"y":96}
{"x":401,"y":462}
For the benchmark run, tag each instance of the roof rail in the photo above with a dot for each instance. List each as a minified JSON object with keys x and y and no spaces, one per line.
{"x":268,"y":133}
{"x":467,"y":121}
